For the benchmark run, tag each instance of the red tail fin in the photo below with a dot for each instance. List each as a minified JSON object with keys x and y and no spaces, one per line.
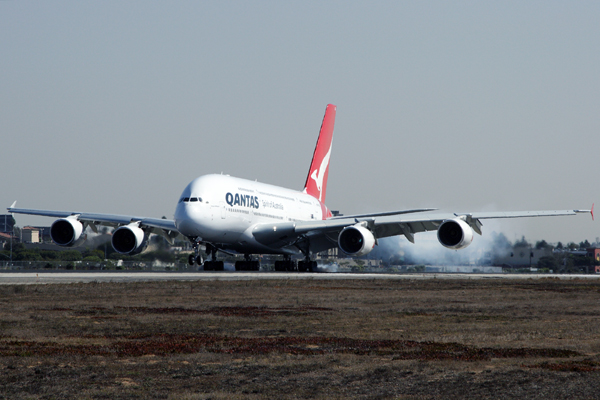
{"x":316,"y":181}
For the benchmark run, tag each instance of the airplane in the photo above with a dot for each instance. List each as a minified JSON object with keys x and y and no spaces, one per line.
{"x":228,"y":214}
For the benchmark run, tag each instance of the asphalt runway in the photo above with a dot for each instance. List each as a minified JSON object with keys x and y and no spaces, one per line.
{"x":32,"y":278}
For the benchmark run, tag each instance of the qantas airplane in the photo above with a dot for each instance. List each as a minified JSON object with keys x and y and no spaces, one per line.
{"x":227,"y":214}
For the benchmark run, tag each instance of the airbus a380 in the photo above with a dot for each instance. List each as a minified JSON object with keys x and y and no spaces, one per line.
{"x":223,"y":213}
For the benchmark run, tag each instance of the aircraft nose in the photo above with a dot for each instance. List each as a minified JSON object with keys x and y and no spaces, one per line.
{"x":182,"y":218}
{"x":186,"y":219}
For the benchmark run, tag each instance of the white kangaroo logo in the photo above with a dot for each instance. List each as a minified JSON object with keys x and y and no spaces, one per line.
{"x":319,"y":174}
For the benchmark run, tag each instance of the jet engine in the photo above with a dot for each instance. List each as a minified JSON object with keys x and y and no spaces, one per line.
{"x":455,"y":234}
{"x":130,"y":239}
{"x":67,"y":232}
{"x":356,"y":240}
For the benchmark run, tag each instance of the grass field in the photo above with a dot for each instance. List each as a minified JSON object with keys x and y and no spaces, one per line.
{"x":406,"y":339}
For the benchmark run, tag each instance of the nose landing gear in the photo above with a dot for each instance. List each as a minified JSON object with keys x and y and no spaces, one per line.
{"x":196,"y":258}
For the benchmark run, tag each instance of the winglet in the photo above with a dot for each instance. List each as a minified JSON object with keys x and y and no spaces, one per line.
{"x":316,"y":181}
{"x":12,"y":206}
{"x":591,"y":211}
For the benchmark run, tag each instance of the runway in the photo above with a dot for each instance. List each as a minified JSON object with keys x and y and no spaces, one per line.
{"x":32,"y":278}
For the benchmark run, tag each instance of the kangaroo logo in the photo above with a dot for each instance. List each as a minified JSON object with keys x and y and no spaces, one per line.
{"x":319,"y":174}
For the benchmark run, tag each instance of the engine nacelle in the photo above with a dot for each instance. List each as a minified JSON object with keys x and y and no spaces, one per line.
{"x":130,"y":239}
{"x":455,"y":234}
{"x":67,"y":232}
{"x":356,"y":240}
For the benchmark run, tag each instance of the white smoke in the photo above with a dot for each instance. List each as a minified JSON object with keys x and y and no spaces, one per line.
{"x":427,"y":250}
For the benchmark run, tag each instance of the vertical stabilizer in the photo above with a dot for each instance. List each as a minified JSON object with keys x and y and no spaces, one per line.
{"x":316,"y":181}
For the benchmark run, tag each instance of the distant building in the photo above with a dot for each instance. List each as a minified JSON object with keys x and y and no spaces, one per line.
{"x":522,"y":256}
{"x":30,"y":234}
{"x":44,"y":232}
{"x":594,"y":252}
{"x":7,"y":223}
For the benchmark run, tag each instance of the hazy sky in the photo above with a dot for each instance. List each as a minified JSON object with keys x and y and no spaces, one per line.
{"x":115,"y":106}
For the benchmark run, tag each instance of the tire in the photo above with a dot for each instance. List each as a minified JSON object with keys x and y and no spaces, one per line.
{"x":279,"y":266}
{"x":301,"y":266}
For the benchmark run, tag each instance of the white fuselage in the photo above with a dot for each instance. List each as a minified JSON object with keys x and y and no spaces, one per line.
{"x":223,"y":210}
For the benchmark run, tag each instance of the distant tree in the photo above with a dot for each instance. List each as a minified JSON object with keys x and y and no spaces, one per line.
{"x":92,"y":253}
{"x":50,"y":254}
{"x":542,"y":244}
{"x":16,"y":247}
{"x":522,"y":242}
{"x":559,"y":246}
{"x":548,"y":262}
{"x":585,"y":244}
{"x":71,"y":255}
{"x":572,"y":246}
{"x":92,"y":259}
{"x":28,"y":255}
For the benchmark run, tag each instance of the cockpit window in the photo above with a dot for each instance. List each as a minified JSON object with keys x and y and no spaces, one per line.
{"x":193,"y":199}
{"x":186,"y":199}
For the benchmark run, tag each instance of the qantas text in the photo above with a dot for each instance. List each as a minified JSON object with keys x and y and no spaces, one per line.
{"x":243,"y":200}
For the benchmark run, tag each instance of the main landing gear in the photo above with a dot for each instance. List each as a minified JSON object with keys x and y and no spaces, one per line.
{"x":213,"y":264}
{"x":286,"y":265}
{"x":247,"y":265}
{"x":290,"y":265}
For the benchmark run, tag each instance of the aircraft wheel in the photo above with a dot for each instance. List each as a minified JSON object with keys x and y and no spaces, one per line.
{"x":191,"y":259}
{"x":302,"y":266}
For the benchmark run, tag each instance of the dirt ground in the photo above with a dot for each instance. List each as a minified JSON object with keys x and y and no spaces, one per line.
{"x":403,"y":339}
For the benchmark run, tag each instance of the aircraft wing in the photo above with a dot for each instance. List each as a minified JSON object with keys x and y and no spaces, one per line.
{"x":160,"y":226}
{"x":322,"y":234}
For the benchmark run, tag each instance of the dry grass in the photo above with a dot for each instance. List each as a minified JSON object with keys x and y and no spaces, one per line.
{"x":301,"y":339}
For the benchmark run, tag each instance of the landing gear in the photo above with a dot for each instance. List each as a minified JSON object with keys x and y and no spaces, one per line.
{"x":196,"y":258}
{"x":247,"y":265}
{"x":286,"y":265}
{"x":307,"y":266}
{"x":213,"y":264}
